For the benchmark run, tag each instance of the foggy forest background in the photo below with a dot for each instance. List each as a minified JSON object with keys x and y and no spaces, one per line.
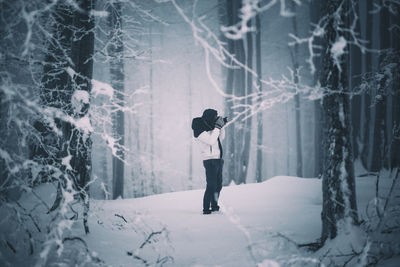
{"x":97,"y":97}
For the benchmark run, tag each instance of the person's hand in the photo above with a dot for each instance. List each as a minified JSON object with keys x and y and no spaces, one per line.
{"x":219,"y":123}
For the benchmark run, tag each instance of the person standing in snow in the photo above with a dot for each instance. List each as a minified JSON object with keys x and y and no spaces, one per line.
{"x":208,"y":131}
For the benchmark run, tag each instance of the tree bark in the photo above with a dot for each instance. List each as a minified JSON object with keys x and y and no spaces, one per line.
{"x":79,"y":145}
{"x":339,"y":207}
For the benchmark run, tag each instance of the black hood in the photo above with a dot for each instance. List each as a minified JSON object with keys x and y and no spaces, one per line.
{"x":198,"y":126}
{"x":209,"y":117}
{"x":205,"y":122}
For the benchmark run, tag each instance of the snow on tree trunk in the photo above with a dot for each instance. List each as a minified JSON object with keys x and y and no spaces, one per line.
{"x":339,"y":203}
{"x":79,"y":138}
{"x":66,"y":84}
{"x":116,"y":49}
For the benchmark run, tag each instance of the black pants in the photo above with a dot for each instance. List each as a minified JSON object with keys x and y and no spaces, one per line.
{"x":214,"y":182}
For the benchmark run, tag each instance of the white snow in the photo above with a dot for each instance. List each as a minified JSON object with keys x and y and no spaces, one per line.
{"x":79,"y":99}
{"x":247,"y":232}
{"x":338,"y":47}
{"x":66,"y":162}
{"x":99,"y":13}
{"x":258,"y":225}
{"x":80,"y":96}
{"x":337,"y":50}
{"x":71,"y":72}
{"x":100,"y":88}
{"x":84,"y":125}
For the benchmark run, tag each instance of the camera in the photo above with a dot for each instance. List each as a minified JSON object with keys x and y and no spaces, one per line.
{"x":225,"y":119}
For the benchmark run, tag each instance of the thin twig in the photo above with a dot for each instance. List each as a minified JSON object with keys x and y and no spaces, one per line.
{"x":120,"y":216}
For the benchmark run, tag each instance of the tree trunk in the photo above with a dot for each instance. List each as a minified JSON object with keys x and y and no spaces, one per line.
{"x":152,"y":178}
{"x":82,"y":58}
{"x":338,"y":186}
{"x":230,"y":171}
{"x":315,"y":15}
{"x":379,"y":141}
{"x":72,"y":46}
{"x":395,"y":143}
{"x":294,"y":56}
{"x":354,"y":74}
{"x":189,"y":75}
{"x":377,"y":111}
{"x":239,"y":126}
{"x":259,"y":114}
{"x":117,"y":76}
{"x":239,"y":85}
{"x":56,"y":85}
{"x":366,"y":99}
{"x":318,"y":136}
{"x":245,"y":153}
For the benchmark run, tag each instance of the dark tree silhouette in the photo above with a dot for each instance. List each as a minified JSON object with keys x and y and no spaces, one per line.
{"x":338,"y":185}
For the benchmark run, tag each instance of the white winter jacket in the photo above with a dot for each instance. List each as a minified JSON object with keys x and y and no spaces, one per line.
{"x":208,"y":142}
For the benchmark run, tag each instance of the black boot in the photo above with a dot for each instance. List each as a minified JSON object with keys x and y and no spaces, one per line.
{"x":215,"y":208}
{"x":206,"y":211}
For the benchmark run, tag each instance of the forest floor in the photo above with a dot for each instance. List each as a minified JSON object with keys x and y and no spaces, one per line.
{"x":258,"y":225}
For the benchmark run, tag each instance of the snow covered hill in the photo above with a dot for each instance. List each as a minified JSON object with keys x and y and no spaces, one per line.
{"x":258,"y":224}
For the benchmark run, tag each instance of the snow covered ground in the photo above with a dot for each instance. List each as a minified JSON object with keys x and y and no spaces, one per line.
{"x":259,"y":225}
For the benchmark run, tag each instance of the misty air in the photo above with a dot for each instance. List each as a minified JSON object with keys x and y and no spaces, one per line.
{"x":199,"y":133}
